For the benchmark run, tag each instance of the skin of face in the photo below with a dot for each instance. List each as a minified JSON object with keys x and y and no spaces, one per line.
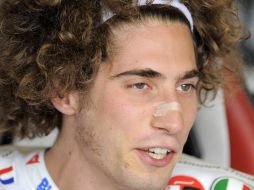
{"x":154,"y":62}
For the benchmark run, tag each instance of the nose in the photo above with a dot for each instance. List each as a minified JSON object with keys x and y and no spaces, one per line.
{"x":172,"y":122}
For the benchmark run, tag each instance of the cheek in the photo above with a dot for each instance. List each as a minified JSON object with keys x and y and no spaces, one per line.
{"x":189,"y":116}
{"x":119,"y":106}
{"x":127,"y":114}
{"x":126,"y":117}
{"x":190,"y":107}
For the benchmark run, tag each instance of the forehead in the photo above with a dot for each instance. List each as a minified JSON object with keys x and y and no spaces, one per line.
{"x":148,"y":35}
{"x":155,"y":45}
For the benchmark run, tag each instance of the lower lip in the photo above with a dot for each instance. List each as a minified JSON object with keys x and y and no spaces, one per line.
{"x":145,"y":157}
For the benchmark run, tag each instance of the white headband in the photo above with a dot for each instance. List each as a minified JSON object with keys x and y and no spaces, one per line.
{"x":107,"y":14}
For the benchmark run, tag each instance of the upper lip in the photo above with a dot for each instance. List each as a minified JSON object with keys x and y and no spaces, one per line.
{"x":173,"y":147}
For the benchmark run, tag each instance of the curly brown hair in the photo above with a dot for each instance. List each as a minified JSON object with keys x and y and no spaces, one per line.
{"x":49,"y":48}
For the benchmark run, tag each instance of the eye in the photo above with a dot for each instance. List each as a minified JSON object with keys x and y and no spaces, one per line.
{"x":185,"y":88}
{"x":140,"y":86}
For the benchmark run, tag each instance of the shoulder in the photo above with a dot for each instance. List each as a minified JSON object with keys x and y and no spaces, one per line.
{"x":195,"y":173}
{"x":8,"y":166}
{"x":15,"y":168}
{"x":8,"y":157}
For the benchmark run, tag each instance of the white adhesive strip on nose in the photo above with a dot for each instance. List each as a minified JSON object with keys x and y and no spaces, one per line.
{"x":163,"y":108}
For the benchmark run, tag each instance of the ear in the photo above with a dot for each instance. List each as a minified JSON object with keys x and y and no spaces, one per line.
{"x":68,"y":105}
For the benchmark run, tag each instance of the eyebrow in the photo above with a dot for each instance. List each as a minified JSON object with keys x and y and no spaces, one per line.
{"x":149,"y":73}
{"x":190,"y":74}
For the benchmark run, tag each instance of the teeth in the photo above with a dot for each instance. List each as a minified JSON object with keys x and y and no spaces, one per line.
{"x":157,"y":156}
{"x":159,"y":150}
{"x":158,"y":153}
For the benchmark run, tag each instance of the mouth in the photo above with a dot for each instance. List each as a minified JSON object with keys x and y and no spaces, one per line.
{"x":156,"y":156}
{"x":158,"y":153}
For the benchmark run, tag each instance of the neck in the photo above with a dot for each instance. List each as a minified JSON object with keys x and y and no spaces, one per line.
{"x":68,"y":166}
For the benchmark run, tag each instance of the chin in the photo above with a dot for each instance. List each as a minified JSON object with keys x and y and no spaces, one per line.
{"x":146,"y":185}
{"x":152,"y":180}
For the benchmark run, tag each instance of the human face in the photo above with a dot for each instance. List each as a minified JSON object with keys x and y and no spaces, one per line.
{"x":155,"y":63}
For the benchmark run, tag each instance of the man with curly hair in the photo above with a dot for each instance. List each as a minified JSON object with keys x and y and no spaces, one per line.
{"x":122,"y":81}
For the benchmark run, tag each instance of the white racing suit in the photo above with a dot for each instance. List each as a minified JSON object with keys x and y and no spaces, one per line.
{"x":24,"y":171}
{"x":27,"y":171}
